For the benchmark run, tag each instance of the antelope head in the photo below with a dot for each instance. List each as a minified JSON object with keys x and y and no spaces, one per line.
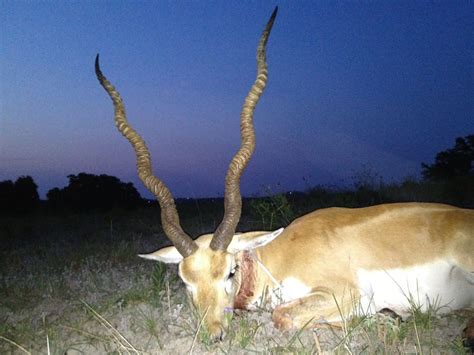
{"x":209,"y":265}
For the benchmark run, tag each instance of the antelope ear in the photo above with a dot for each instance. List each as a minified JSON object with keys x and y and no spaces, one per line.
{"x":252,"y":240}
{"x":168,"y":255}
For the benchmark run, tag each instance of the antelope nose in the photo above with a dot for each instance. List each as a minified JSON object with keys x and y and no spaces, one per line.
{"x":219,"y":334}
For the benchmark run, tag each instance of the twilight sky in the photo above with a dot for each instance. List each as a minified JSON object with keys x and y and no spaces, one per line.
{"x":381,"y":84}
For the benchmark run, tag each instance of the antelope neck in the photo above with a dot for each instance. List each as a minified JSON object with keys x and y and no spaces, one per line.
{"x":249,"y":263}
{"x":247,"y":281}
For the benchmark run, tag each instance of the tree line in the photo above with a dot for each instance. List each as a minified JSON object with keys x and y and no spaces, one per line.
{"x":86,"y":192}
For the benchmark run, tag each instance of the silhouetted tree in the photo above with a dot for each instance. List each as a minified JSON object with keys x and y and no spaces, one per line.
{"x":56,"y":198}
{"x":20,"y":196}
{"x":88,"y":191}
{"x":454,"y":162}
{"x":26,"y":194}
{"x":7,"y":196}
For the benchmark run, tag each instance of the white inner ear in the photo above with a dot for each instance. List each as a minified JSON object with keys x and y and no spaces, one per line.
{"x":248,"y":241}
{"x":168,"y":255}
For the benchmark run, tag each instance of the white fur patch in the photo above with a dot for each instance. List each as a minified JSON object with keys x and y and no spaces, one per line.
{"x":440,"y":285}
{"x":289,"y":290}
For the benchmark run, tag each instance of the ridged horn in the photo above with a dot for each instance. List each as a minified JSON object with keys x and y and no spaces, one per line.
{"x":232,"y":198}
{"x":169,"y":215}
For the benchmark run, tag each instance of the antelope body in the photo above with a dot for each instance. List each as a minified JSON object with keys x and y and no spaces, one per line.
{"x":324,"y":266}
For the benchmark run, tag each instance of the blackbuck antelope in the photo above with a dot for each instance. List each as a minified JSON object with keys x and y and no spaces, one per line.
{"x":327,"y":265}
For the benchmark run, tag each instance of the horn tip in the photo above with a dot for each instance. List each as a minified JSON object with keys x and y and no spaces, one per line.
{"x":272,"y":17}
{"x":275,"y":11}
{"x":97,"y":66}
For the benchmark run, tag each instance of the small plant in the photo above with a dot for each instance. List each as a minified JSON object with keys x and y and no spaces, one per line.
{"x":158,"y":278}
{"x":244,"y":332}
{"x":150,"y":324}
{"x":201,"y":331}
{"x":384,"y":331}
{"x":274,"y":211}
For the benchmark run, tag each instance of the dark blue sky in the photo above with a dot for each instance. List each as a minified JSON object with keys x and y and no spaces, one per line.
{"x":383,"y":84}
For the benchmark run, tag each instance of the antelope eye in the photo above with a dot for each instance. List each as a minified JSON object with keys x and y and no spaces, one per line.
{"x":232,"y":272}
{"x":230,"y":283}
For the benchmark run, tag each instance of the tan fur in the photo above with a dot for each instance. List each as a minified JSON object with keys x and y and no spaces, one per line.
{"x":210,"y":304}
{"x":326,"y":247}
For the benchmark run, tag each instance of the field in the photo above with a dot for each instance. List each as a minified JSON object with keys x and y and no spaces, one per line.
{"x":71,"y":283}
